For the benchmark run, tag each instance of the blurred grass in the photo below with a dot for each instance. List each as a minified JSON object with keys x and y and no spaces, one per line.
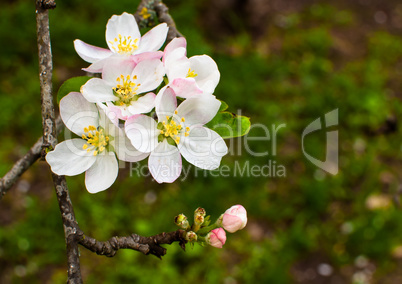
{"x":306,"y":62}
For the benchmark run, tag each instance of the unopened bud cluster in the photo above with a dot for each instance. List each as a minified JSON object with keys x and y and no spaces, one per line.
{"x":203,"y":232}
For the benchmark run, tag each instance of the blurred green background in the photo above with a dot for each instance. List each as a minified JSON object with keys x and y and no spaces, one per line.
{"x":281,"y":61}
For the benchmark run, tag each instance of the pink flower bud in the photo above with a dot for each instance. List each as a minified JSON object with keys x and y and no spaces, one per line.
{"x":234,"y":219}
{"x":216,"y":238}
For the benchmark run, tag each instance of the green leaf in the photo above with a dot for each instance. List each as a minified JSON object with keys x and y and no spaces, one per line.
{"x":71,"y":85}
{"x":224,"y":106}
{"x":229,"y":125}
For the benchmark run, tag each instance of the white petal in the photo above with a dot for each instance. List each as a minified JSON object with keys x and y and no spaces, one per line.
{"x":149,"y":74}
{"x":207,"y":72}
{"x":203,"y":148}
{"x":125,"y":151}
{"x":102,"y":174}
{"x":69,"y":159}
{"x":89,"y":52}
{"x":77,"y":113}
{"x":124,"y":25}
{"x":166,"y":103}
{"x":97,"y":90}
{"x":154,"y":39}
{"x":165,"y":163}
{"x":113,"y":69}
{"x":112,"y":113}
{"x":177,"y":64}
{"x":144,"y":104}
{"x":172,"y":45}
{"x":99,"y":65}
{"x":198,"y":110}
{"x":142,"y":132}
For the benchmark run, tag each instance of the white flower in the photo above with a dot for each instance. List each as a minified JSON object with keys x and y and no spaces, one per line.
{"x":123,"y":85}
{"x":182,"y":72}
{"x":179,"y":131}
{"x":95,"y":152}
{"x":124,"y":40}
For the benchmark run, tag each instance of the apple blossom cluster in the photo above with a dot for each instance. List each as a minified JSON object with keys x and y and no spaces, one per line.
{"x":203,"y":232}
{"x":144,"y":103}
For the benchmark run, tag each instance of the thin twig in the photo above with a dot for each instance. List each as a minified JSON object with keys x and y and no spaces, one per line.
{"x":162,"y":11}
{"x":23,"y":164}
{"x":50,"y":138}
{"x":146,"y":245}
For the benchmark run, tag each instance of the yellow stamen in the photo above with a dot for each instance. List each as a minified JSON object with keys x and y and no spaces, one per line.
{"x":96,"y":140}
{"x":172,"y":129}
{"x":191,"y":73}
{"x":124,"y":44}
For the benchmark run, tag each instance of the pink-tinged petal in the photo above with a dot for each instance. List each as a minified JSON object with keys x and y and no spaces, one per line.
{"x":117,"y":114}
{"x":166,"y":103}
{"x":177,"y":64}
{"x":103,"y":172}
{"x":198,"y":110}
{"x":77,"y":113}
{"x":185,"y":88}
{"x":122,"y":111}
{"x":172,"y":45}
{"x":234,"y":219}
{"x":125,"y":151}
{"x":97,"y":90}
{"x":107,"y":121}
{"x":113,"y":114}
{"x":154,"y":39}
{"x":203,"y":148}
{"x":164,"y":163}
{"x":137,"y":58}
{"x":231,"y":223}
{"x":143,"y":105}
{"x":99,"y":66}
{"x":216,"y":238}
{"x":90,"y":53}
{"x":69,"y":159}
{"x":124,"y":25}
{"x":142,"y":132}
{"x":207,"y":72}
{"x":149,"y":74}
{"x":113,"y":69}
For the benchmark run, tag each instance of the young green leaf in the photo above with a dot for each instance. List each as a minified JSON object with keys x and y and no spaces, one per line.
{"x":71,"y":85}
{"x":229,"y":125}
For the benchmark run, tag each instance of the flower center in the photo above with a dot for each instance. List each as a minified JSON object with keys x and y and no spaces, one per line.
{"x":125,"y":90}
{"x":124,"y":45}
{"x":171,"y":129}
{"x":191,"y":73}
{"x":96,"y":140}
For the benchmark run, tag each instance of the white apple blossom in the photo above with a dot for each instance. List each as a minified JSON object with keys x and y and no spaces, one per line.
{"x":124,"y":40}
{"x":95,"y":151}
{"x":123,"y":86}
{"x":183,"y":72}
{"x":178,"y":132}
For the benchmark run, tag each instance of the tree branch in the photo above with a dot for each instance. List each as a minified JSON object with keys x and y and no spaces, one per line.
{"x":146,"y":245}
{"x":162,"y":12}
{"x":23,"y":164}
{"x":50,"y":137}
{"x":51,"y":128}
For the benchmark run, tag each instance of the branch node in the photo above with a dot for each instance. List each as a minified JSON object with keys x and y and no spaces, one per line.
{"x":46,"y":4}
